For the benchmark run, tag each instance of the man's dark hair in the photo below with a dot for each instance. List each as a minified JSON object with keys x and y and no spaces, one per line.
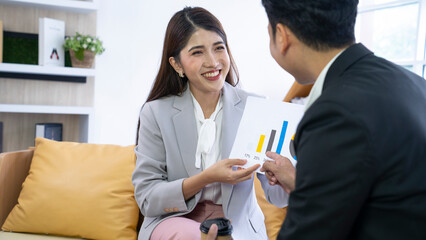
{"x":320,"y":24}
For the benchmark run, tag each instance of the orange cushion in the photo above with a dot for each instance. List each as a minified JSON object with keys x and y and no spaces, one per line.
{"x":77,"y":190}
{"x":274,"y":216}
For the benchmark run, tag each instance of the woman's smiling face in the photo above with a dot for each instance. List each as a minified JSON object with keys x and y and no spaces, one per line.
{"x":205,"y":62}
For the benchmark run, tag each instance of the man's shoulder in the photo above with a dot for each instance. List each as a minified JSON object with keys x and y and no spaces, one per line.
{"x":372,"y":80}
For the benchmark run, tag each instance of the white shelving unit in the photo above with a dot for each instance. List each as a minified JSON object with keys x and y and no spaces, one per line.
{"x":60,"y":5}
{"x":83,"y":114}
{"x":47,"y":70}
{"x":45,"y":109}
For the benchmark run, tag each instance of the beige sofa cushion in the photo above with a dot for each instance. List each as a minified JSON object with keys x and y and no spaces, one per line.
{"x":27,"y":236}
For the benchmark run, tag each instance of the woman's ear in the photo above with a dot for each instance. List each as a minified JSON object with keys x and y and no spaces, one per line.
{"x":178,"y":68}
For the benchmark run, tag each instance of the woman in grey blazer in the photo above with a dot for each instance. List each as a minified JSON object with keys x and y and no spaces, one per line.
{"x":187,"y":128}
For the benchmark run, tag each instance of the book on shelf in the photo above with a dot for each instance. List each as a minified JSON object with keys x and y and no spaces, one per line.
{"x":1,"y":42}
{"x":52,"y":131}
{"x":1,"y":137}
{"x":51,"y":38}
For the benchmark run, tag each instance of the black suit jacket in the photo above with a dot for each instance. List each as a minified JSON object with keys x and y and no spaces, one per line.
{"x":361,"y":150}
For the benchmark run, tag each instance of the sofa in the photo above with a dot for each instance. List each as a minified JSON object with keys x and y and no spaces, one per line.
{"x":122,"y":220}
{"x":14,"y":168}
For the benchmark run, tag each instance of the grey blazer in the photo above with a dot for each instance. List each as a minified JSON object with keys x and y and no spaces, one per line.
{"x":166,"y":156}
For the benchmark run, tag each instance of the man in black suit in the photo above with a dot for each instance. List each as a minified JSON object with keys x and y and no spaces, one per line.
{"x":361,"y":145}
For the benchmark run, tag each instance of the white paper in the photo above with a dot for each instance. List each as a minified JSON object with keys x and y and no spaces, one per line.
{"x":273,"y":121}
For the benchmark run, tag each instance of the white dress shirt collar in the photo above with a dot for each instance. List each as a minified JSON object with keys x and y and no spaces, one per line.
{"x":319,"y":83}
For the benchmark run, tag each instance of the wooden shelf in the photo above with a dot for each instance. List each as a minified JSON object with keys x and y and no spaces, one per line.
{"x":26,"y":71}
{"x":45,"y":109}
{"x":62,"y":5}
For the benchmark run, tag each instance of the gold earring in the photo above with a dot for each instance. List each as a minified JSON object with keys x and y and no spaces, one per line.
{"x":181,"y":74}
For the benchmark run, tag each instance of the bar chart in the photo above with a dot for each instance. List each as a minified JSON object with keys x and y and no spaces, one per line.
{"x":272,"y":138}
{"x":266,"y":125}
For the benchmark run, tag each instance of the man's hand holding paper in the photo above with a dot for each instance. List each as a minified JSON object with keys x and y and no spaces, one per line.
{"x":280,"y":172}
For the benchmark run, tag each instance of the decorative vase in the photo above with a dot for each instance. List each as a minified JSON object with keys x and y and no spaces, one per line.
{"x":87,"y":62}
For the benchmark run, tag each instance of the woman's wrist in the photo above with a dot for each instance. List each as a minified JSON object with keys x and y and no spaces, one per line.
{"x":205,"y":177}
{"x":192,"y":185}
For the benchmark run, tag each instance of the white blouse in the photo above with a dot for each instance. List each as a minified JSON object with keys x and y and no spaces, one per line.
{"x":209,"y":144}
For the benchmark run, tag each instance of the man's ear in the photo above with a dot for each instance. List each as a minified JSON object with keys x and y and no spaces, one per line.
{"x":175,"y":65}
{"x":282,"y":37}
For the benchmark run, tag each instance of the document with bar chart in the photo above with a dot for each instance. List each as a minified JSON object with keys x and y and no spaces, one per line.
{"x":266,"y":125}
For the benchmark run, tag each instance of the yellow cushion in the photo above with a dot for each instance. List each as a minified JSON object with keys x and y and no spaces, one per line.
{"x":274,"y":216}
{"x":78,"y":190}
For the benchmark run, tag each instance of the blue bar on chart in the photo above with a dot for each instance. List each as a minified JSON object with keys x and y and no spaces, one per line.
{"x":282,"y":136}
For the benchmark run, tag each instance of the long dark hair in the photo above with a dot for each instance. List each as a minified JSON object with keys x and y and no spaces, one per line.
{"x":179,"y":30}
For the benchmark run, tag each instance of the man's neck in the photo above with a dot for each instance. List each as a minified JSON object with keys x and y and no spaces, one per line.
{"x":313,"y":62}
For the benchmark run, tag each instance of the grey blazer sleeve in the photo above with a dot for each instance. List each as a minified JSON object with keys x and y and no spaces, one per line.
{"x":150,"y":175}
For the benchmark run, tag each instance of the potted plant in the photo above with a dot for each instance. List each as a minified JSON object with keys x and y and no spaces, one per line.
{"x":83,"y":49}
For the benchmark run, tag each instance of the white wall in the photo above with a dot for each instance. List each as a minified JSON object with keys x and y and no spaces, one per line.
{"x":133,"y":32}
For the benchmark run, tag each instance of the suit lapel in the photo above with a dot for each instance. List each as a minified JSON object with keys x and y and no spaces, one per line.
{"x":186,"y":131}
{"x":232,"y":113}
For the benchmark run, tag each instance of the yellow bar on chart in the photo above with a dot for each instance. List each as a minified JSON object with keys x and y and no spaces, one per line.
{"x":259,"y":146}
